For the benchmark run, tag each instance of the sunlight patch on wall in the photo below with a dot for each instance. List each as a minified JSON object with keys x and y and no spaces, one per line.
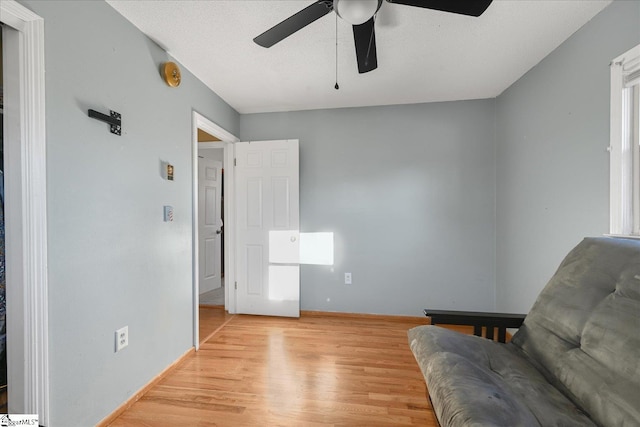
{"x":316,"y":248}
{"x":287,"y":250}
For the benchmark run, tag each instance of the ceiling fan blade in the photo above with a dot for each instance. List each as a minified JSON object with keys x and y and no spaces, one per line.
{"x":463,"y":7}
{"x":365,"y":38}
{"x":294,"y":23}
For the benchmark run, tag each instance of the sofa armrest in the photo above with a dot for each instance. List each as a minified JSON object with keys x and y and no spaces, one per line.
{"x":478,"y":320}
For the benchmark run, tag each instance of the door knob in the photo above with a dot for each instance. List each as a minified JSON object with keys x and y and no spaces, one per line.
{"x":218,"y":231}
{"x":293,"y":239}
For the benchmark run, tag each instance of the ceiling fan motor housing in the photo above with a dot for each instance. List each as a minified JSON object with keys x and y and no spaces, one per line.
{"x":356,"y":12}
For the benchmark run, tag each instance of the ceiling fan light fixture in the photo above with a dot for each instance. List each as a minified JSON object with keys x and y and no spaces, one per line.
{"x":356,"y":12}
{"x":361,"y":15}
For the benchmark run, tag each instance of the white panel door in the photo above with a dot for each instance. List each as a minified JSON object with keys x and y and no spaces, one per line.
{"x":267,"y":198}
{"x":209,"y":223}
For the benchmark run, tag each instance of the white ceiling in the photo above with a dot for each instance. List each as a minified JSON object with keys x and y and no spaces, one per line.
{"x":423,"y":55}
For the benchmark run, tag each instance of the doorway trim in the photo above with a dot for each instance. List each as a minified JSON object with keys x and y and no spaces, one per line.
{"x":227,"y":140}
{"x":26,"y":190}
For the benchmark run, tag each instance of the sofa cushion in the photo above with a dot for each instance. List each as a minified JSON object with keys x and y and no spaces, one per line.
{"x":477,"y":382}
{"x":583,"y":332}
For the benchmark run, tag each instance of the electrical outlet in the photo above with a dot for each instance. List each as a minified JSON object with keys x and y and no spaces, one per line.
{"x":347,"y":278}
{"x":122,"y":338}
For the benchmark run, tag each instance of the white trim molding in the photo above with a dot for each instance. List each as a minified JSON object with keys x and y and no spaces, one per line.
{"x":29,"y":187}
{"x":624,"y":219}
{"x":201,"y":122}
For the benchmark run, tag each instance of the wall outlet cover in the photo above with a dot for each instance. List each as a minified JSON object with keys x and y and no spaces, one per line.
{"x":122,"y":338}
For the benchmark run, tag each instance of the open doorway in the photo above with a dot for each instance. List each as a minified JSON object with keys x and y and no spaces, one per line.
{"x":213,"y":220}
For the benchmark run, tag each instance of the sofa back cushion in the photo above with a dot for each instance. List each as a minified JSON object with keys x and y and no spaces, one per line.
{"x":583,"y":332}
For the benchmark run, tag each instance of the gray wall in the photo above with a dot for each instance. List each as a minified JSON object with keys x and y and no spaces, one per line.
{"x":552,"y":163}
{"x":112,"y":260}
{"x":409,"y":193}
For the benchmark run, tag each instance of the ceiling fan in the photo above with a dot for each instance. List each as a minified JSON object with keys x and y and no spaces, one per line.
{"x":361,"y":14}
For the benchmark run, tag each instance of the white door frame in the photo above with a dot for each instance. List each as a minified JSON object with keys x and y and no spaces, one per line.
{"x":227,"y":141}
{"x":26,"y":191}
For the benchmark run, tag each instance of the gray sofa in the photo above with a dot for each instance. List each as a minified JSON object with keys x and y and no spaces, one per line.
{"x":574,"y":362}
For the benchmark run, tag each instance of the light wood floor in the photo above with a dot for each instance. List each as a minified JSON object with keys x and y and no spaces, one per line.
{"x":314,"y":371}
{"x":212,"y":318}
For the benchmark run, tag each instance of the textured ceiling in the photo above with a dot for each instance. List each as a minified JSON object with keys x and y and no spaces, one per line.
{"x":423,"y":55}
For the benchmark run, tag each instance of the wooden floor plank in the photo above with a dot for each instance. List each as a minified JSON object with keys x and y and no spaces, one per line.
{"x":211,"y":319}
{"x":313,"y":371}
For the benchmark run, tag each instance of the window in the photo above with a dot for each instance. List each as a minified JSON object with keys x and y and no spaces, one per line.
{"x":625,"y":144}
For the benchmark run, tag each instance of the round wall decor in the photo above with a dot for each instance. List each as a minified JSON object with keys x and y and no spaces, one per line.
{"x":171,"y":74}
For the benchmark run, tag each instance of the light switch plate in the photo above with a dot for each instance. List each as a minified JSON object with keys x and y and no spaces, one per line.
{"x":168,"y":213}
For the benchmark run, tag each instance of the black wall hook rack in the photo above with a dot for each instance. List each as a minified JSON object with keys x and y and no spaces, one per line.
{"x":114,"y":120}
